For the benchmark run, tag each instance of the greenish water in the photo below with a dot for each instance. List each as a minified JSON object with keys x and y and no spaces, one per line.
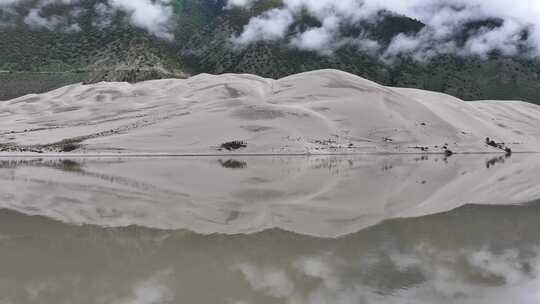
{"x":197,"y":231}
{"x":475,"y":254}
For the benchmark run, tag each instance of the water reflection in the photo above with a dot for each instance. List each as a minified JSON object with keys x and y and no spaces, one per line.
{"x":496,"y":160}
{"x":233,"y":164}
{"x":291,"y":230}
{"x":319,"y":196}
{"x":474,"y":254}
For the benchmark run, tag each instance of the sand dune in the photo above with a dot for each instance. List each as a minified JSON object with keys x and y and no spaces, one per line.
{"x":324,"y":111}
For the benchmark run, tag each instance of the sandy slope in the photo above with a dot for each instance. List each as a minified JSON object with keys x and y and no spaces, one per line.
{"x":324,"y":196}
{"x":316,"y":112}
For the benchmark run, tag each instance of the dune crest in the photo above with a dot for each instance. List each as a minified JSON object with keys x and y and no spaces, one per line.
{"x":324,"y":111}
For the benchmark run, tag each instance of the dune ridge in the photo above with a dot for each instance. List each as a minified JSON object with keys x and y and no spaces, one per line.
{"x":326,"y":111}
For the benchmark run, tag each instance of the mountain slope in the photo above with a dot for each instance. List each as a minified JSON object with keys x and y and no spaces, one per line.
{"x":202,"y":44}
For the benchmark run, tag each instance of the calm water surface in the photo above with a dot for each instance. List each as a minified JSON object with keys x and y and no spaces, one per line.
{"x":270,"y":230}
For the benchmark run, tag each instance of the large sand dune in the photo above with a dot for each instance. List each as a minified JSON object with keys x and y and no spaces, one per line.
{"x":317,"y":112}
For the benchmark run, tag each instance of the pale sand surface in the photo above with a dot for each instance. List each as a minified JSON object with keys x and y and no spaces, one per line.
{"x":324,"y":111}
{"x":323,"y":196}
{"x":356,"y":228}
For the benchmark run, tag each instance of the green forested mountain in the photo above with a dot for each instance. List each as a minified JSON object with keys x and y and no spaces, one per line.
{"x":39,"y":59}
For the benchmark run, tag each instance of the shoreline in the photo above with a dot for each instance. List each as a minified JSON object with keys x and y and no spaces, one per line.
{"x":190,"y":155}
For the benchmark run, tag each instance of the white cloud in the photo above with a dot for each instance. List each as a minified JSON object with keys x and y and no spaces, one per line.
{"x":63,"y":23}
{"x":153,"y":290}
{"x":273,"y":282}
{"x":155,"y":16}
{"x":464,"y":275}
{"x":443,"y":20}
{"x":270,"y":26}
{"x":319,"y":38}
{"x":239,"y":3}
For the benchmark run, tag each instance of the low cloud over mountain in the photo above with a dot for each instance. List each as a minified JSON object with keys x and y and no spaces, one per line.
{"x":463,"y":27}
{"x":155,"y":16}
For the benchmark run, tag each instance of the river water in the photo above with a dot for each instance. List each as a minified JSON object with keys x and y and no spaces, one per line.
{"x":355,"y":229}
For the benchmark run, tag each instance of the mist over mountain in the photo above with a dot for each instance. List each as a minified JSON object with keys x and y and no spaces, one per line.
{"x":472,"y":49}
{"x":465,"y":28}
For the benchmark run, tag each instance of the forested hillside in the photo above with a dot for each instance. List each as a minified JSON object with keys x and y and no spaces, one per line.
{"x":37,"y":59}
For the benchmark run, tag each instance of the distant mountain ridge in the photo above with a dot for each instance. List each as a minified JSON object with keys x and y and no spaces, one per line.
{"x":202,"y":44}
